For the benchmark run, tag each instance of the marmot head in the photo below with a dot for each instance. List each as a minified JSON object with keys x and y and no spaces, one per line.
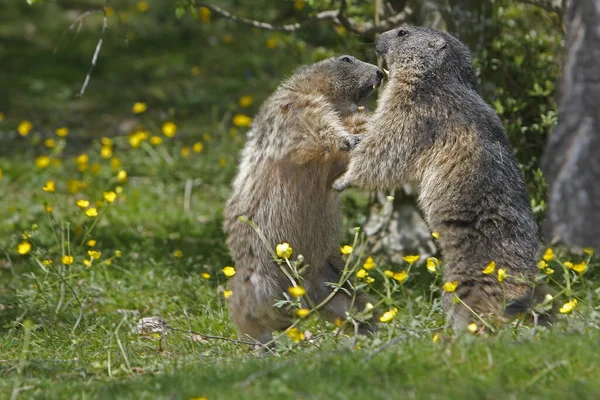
{"x":344,"y":80}
{"x":431,"y":55}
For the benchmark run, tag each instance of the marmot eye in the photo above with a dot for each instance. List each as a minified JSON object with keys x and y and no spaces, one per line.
{"x":346,"y":59}
{"x":402,"y":32}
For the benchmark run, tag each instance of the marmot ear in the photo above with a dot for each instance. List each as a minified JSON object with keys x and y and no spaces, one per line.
{"x":437,"y":44}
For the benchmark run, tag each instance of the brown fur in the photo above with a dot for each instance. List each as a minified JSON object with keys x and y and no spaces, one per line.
{"x":433,"y":130}
{"x":296,"y":148}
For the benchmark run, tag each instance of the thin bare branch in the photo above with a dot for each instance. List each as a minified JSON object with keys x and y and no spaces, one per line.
{"x":555,"y":6}
{"x":95,"y":57}
{"x":337,"y":17}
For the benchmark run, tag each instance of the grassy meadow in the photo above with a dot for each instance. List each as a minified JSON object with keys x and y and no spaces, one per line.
{"x":111,"y":211}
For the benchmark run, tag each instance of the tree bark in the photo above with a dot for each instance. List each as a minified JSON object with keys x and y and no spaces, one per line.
{"x":572,"y":159}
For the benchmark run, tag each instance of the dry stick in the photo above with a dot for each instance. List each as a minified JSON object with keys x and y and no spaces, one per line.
{"x":338,"y":17}
{"x":98,"y":47}
{"x":382,"y":348}
{"x":213,"y":337}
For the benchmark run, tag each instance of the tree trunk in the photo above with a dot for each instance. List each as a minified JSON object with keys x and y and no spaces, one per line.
{"x":572,"y":159}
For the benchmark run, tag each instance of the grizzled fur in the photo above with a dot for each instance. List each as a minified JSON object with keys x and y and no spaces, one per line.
{"x":433,"y":130}
{"x":297,"y":147}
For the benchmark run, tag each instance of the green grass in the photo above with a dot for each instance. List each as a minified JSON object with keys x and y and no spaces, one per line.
{"x":53,"y":348}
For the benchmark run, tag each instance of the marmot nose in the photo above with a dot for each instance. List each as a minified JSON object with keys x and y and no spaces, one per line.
{"x":380,"y":74}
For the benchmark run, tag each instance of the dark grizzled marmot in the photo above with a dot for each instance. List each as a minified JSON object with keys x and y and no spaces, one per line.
{"x":432,"y":129}
{"x":297,"y":147}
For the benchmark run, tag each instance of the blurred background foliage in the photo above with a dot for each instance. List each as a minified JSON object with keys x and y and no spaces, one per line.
{"x":191,"y":66}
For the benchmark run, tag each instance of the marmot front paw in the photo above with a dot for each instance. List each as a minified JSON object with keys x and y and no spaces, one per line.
{"x":350,"y":142}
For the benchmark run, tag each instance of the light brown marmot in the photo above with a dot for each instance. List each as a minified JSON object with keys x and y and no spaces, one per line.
{"x":297,"y":146}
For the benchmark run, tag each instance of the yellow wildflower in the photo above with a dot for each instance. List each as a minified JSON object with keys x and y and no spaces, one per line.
{"x":198,"y":147}
{"x":47,"y":262}
{"x":401,"y":276}
{"x":106,"y":141}
{"x":272,"y":42}
{"x":205,"y":275}
{"x":24,"y":248}
{"x":369,"y":263}
{"x":178,"y":253}
{"x":42,"y":161}
{"x":388,"y":315}
{"x":491,"y":267}
{"x":206,"y":137}
{"x":62,"y":132}
{"x":50,"y":143}
{"x":246,"y":101}
{"x":472,"y":328}
{"x":388,"y":273}
{"x":91,"y":243}
{"x":411,"y":259}
{"x":548,"y":254}
{"x":436,"y":235}
{"x":67,"y":260}
{"x":24,"y":128}
{"x":346,"y":249}
{"x":118,"y":253}
{"x":87,"y":263}
{"x":302,"y":312}
{"x":436,"y":338}
{"x":115,"y":163}
{"x":118,"y":189}
{"x":227,"y":293}
{"x":229,"y":271}
{"x":106,"y":152}
{"x":185,"y":152}
{"x":122,"y":176}
{"x":450,"y":286}
{"x":96,"y":168}
{"x":82,"y":159}
{"x":432,"y":264}
{"x":139,"y":107}
{"x":94,"y":255}
{"x":169,"y":129}
{"x":155,"y":140}
{"x":48,"y":208}
{"x":361,"y":273}
{"x":110,"y":196}
{"x":568,"y":307}
{"x":549,"y":271}
{"x":338,"y":322}
{"x":283,"y":250}
{"x":83,"y":203}
{"x":295,"y":334}
{"x":589,"y":251}
{"x":297,"y":291}
{"x":568,"y":264}
{"x":501,"y":274}
{"x":542,"y":264}
{"x":205,"y":14}
{"x":49,"y":187}
{"x":580,"y":267}
{"x":299,"y":4}
{"x":143,"y":6}
{"x":369,"y":279}
{"x":91,"y":212}
{"x":241,"y":120}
